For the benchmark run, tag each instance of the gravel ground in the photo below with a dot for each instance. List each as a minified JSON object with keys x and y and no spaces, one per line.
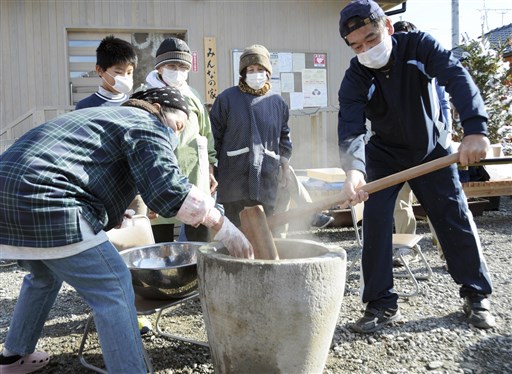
{"x":434,"y":336}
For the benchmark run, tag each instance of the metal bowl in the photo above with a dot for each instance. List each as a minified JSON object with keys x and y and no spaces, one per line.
{"x":164,"y":270}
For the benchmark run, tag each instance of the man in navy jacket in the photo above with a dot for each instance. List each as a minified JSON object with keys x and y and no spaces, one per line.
{"x":390,"y":82}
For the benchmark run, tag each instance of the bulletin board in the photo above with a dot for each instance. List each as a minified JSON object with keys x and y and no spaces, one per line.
{"x":300,"y":78}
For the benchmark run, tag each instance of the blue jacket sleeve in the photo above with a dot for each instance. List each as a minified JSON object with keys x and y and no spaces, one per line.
{"x":450,"y":73}
{"x":285,"y":143}
{"x":353,"y":98}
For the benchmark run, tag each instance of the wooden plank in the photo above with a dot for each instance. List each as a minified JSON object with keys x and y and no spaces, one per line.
{"x":31,"y":51}
{"x":489,"y":188}
{"x":327,"y":174}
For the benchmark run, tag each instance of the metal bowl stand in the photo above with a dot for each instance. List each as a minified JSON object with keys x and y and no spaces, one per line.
{"x":144,"y":307}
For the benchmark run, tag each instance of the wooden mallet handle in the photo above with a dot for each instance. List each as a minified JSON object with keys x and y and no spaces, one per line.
{"x":255,"y":228}
{"x":378,"y":185}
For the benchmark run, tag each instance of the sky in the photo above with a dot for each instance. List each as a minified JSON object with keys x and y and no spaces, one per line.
{"x":434,"y":17}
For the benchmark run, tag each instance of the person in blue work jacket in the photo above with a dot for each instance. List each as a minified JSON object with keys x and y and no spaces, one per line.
{"x":252,"y":138}
{"x":390,"y":82}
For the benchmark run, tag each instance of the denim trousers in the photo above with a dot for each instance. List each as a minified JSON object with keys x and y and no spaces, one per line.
{"x":101,"y":277}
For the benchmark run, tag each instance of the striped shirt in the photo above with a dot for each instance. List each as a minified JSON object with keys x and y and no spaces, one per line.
{"x":90,"y":162}
{"x":102,"y":98}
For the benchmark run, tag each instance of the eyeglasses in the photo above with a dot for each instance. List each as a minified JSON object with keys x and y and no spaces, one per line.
{"x":180,"y":67}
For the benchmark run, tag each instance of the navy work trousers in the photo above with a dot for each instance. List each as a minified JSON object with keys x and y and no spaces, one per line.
{"x":441,"y":195}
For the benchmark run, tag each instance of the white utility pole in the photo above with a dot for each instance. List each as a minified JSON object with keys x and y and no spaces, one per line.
{"x":455,"y":23}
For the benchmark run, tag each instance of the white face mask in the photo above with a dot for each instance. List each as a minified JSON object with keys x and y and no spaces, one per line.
{"x":174,"y":78}
{"x":256,"y":80}
{"x":174,"y":136}
{"x":123,"y":84}
{"x":378,"y":56}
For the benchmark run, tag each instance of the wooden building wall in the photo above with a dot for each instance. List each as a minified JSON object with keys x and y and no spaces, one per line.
{"x":34,"y":70}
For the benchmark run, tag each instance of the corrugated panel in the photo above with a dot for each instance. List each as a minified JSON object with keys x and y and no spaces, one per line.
{"x":82,"y":66}
{"x":92,"y":81}
{"x":82,"y":51}
{"x":97,"y":35}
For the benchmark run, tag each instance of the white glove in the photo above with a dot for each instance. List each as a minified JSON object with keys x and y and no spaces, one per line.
{"x":198,"y":208}
{"x":128,"y":214}
{"x":236,"y":243}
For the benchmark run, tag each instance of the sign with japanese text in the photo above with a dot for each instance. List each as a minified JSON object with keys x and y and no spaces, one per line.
{"x":210,"y":69}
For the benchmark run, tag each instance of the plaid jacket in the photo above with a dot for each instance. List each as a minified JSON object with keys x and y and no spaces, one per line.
{"x":90,"y":162}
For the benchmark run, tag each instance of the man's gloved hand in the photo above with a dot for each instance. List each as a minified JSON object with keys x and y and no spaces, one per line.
{"x":236,"y":243}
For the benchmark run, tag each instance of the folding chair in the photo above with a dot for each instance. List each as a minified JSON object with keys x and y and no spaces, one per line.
{"x":138,"y":233}
{"x":402,"y":244}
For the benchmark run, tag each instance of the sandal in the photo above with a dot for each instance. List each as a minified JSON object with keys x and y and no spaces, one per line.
{"x":26,"y":364}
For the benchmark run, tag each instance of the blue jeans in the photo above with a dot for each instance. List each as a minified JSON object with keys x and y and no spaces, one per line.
{"x":101,"y":277}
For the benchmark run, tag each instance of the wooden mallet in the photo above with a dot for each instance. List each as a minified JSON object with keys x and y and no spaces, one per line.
{"x":257,"y":227}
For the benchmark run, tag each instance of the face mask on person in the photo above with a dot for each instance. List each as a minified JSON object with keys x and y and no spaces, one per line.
{"x":378,"y":56}
{"x":123,"y":84}
{"x":256,"y":80}
{"x":174,"y":78}
{"x":173,"y":129}
{"x":174,"y":138}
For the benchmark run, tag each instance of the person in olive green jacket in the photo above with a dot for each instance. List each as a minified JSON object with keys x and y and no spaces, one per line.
{"x":195,"y":152}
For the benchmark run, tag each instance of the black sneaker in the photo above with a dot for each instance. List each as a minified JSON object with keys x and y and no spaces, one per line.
{"x":375,"y":319}
{"x":321,"y":220}
{"x":477,"y":309}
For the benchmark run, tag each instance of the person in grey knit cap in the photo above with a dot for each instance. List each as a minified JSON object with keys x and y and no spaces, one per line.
{"x":195,"y":151}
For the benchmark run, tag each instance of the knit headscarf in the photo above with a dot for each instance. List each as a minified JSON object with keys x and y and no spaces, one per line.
{"x":167,"y":97}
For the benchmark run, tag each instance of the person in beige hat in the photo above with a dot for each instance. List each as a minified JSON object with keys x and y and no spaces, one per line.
{"x":252,"y":137}
{"x":293,"y":190}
